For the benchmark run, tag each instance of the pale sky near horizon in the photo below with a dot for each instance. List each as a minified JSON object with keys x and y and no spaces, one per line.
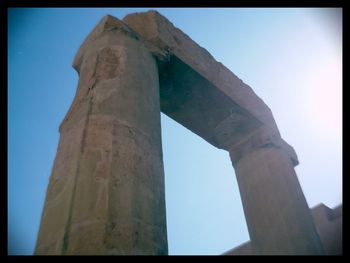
{"x":291,"y":57}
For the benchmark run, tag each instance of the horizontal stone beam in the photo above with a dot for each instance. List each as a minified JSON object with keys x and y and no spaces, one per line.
{"x":158,"y":30}
{"x":242,"y":114}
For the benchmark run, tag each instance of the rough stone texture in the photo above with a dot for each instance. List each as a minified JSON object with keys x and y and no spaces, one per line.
{"x":278,"y":218}
{"x":204,"y":96}
{"x":328,"y":223}
{"x":106,"y":192}
{"x":229,"y":108}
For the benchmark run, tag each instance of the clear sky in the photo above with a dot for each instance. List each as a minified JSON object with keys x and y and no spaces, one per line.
{"x":292,"y":58}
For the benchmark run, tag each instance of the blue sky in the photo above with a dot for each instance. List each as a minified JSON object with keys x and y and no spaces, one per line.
{"x":292,"y":58}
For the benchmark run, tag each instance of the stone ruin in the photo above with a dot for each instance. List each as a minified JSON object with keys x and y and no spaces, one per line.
{"x":106,"y":192}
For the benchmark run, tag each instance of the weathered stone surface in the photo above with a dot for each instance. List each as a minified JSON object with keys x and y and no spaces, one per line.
{"x":162,"y":33}
{"x":59,"y":193}
{"x":197,"y":104}
{"x":260,"y":138}
{"x":106,"y":192}
{"x":328,"y":223}
{"x":277,"y":215}
{"x":211,"y":101}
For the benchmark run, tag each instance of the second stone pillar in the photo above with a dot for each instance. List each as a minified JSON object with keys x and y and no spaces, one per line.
{"x":278,"y":217}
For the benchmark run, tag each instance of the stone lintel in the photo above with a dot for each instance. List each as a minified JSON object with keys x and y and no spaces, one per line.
{"x":158,"y":30}
{"x":197,"y":104}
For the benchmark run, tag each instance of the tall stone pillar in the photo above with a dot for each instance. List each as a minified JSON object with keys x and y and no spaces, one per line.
{"x":278,"y":217}
{"x":106,"y":191}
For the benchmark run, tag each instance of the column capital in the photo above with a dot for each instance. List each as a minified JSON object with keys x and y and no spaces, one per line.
{"x":262,"y":137}
{"x":107,"y":26}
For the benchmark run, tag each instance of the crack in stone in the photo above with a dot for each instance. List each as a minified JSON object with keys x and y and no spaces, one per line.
{"x":69,"y":221}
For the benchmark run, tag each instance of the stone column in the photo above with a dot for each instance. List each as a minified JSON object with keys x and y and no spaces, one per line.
{"x":278,"y":217}
{"x":106,"y":191}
